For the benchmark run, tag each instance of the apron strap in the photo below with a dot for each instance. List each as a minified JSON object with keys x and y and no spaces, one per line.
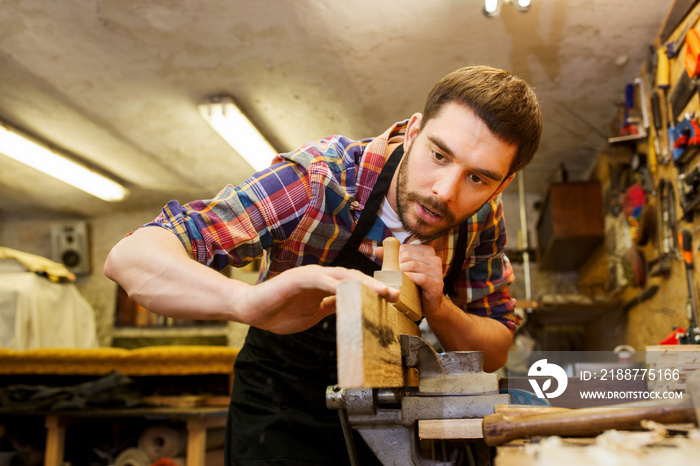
{"x":349,"y":256}
{"x":457,"y":260}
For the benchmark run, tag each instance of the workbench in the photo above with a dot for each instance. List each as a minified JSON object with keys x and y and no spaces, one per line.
{"x":198,"y":421}
{"x":611,"y":447}
{"x":162,"y":374}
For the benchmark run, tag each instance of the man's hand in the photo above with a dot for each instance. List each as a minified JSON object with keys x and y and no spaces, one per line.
{"x":424,"y":268}
{"x":455,"y":329}
{"x":299,"y":298}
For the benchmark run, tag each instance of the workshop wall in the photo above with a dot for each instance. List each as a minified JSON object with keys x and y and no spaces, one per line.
{"x":638,"y":170}
{"x":32,"y":235}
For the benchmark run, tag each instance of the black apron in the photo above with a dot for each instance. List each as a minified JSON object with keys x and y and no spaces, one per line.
{"x":278,"y":413}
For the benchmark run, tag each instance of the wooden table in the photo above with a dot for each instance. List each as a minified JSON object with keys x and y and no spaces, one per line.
{"x":197,"y":419}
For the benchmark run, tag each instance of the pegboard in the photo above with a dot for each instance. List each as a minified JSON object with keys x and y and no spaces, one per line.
{"x":646,"y":157}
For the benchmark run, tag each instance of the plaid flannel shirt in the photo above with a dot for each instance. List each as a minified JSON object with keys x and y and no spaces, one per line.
{"x":302,"y":211}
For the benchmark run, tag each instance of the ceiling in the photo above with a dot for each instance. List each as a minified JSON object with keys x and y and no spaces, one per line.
{"x":117,"y":82}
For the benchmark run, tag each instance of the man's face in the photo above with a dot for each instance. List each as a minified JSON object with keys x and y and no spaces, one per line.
{"x":453,"y":165}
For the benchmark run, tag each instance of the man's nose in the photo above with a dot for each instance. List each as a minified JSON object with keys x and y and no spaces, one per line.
{"x":446,"y":186}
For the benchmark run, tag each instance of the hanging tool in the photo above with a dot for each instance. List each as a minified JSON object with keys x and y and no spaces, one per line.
{"x":686,"y":139}
{"x":660,"y":151}
{"x":689,"y":191}
{"x":687,"y":84}
{"x":635,"y":203}
{"x":673,"y":48}
{"x":681,"y":94}
{"x":648,"y":293}
{"x":655,"y":151}
{"x":668,"y":236}
{"x":663,"y":83}
{"x":692,"y":50}
{"x":692,"y":335}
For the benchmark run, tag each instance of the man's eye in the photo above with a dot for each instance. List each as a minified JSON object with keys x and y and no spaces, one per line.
{"x":438,"y":156}
{"x":476,"y":179}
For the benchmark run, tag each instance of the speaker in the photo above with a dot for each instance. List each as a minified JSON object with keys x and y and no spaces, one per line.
{"x":69,"y":246}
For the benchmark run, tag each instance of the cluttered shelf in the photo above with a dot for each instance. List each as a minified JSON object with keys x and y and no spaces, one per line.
{"x":194,"y":335}
{"x":62,"y":389}
{"x":194,"y":436}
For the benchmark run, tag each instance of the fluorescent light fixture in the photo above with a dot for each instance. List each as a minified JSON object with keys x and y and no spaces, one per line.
{"x":227,"y":119}
{"x":492,"y":8}
{"x":30,"y":152}
{"x":522,"y":5}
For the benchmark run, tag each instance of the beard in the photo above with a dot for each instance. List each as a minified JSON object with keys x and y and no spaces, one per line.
{"x":421,"y":230}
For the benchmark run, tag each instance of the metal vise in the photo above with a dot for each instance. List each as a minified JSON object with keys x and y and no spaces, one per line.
{"x":452,"y":385}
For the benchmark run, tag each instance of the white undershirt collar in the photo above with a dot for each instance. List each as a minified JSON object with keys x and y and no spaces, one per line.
{"x":392,"y":222}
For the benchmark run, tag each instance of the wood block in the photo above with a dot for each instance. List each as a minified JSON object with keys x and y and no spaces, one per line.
{"x":450,"y":428}
{"x":55,"y":441}
{"x":368,"y":338}
{"x":526,"y":410}
{"x":409,"y":300}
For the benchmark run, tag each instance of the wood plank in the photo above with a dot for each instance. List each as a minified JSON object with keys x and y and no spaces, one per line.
{"x":180,"y":401}
{"x":196,"y":442}
{"x":450,"y":429}
{"x":526,"y":410}
{"x":55,"y":441}
{"x":368,"y":339}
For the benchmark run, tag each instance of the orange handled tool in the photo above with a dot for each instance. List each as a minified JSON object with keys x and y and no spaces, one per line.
{"x":685,"y":240}
{"x":692,"y":53}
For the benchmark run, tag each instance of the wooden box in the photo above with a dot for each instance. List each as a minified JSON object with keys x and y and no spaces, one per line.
{"x":570,"y":226}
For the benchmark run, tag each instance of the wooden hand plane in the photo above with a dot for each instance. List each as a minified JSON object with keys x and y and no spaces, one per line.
{"x":410,"y":300}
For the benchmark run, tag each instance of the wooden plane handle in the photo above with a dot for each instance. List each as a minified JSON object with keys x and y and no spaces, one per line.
{"x":502,"y":428}
{"x":391,"y":253}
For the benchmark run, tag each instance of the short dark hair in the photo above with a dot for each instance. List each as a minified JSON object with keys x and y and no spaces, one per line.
{"x":505,"y":102}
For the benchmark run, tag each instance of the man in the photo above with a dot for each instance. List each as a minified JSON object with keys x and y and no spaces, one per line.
{"x":319,"y":215}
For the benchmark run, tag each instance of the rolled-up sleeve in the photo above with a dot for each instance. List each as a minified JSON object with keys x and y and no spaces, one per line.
{"x":241,"y":222}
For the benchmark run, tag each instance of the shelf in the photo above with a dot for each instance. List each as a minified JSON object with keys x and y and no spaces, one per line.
{"x":137,"y":337}
{"x":160,"y":332}
{"x":572,"y":309}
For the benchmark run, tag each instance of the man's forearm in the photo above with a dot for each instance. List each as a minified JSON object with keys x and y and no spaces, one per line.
{"x":156,"y":271}
{"x":460,"y":331}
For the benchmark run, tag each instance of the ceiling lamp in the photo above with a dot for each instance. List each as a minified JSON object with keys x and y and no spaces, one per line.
{"x":229,"y":121}
{"x":492,"y":8}
{"x":30,"y":152}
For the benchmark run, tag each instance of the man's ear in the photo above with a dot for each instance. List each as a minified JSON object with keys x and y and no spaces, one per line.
{"x":412,"y":130}
{"x":503,"y":186}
